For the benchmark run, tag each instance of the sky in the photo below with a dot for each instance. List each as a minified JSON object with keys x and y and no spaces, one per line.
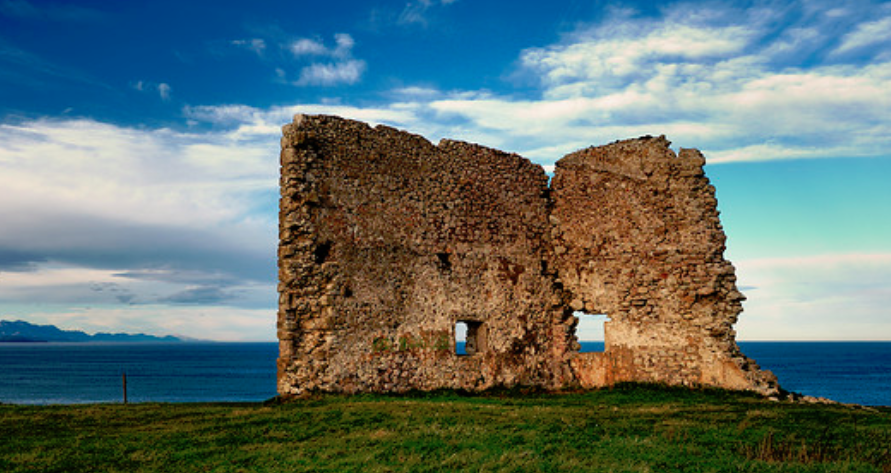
{"x":139,"y":140}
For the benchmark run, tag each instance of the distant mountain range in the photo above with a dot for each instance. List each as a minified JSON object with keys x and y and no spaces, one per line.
{"x":20,"y":331}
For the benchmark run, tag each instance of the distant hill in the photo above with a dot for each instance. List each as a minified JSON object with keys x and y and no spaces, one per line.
{"x":20,"y":331}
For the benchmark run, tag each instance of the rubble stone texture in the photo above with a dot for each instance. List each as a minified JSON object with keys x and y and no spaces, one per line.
{"x":388,"y":243}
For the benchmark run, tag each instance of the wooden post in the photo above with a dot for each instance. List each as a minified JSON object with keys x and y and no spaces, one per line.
{"x":124,"y":379}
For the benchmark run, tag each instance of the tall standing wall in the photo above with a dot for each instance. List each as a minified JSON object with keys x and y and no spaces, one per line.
{"x":389,"y":245}
{"x":638,"y":238}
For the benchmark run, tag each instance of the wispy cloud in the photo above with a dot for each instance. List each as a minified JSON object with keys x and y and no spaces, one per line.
{"x":307,"y":47}
{"x":258,"y":124}
{"x":162,"y":89}
{"x":411,"y":14}
{"x":149,"y":216}
{"x":305,"y":61}
{"x":348,"y":72}
{"x":726,"y":79}
{"x":200,"y":295}
{"x":338,"y":66}
{"x":720,"y":78}
{"x":866,"y":34}
{"x":828,"y":297}
{"x":196,"y":321}
{"x":257,"y":45}
{"x":611,"y":57}
{"x":417,"y":12}
{"x":342,"y":49}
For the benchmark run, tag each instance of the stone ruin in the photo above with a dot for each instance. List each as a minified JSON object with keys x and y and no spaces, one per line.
{"x":388,"y":243}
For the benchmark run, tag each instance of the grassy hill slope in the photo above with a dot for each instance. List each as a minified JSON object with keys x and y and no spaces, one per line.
{"x":631,"y":428}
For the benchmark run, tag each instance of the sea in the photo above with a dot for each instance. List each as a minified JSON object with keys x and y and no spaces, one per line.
{"x":77,"y":373}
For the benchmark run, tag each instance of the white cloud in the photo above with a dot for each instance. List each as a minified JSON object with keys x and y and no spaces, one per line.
{"x":417,"y":92}
{"x":310,"y":47}
{"x":867,"y":34}
{"x":257,"y":45}
{"x":131,"y":175}
{"x":613,"y":55}
{"x":204,"y":323}
{"x":708,"y":77}
{"x":256,"y":124}
{"x":348,"y":72}
{"x":345,"y":45}
{"x":90,"y":208}
{"x":305,"y":46}
{"x":164,"y":91}
{"x":67,"y":286}
{"x":101,"y":220}
{"x":341,"y":69}
{"x":417,"y":12}
{"x":828,"y":297}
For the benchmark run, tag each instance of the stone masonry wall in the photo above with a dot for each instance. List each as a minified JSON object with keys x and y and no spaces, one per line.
{"x":637,"y":237}
{"x":388,"y":243}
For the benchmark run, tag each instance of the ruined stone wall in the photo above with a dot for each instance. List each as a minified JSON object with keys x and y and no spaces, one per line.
{"x":388,"y":241}
{"x":638,"y":238}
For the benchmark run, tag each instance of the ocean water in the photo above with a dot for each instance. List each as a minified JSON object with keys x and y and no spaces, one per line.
{"x":73,"y":373}
{"x":59,"y":373}
{"x":850,"y":372}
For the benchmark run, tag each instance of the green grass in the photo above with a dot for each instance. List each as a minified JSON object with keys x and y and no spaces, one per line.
{"x":627,"y":429}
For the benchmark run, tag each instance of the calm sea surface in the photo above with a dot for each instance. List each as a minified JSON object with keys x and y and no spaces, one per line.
{"x":851,"y":372}
{"x":58,"y":373}
{"x":68,"y":373}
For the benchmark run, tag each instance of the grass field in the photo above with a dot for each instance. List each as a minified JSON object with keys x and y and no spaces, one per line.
{"x":631,"y":428}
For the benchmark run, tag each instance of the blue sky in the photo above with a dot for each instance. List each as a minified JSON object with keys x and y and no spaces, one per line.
{"x":139,"y":140}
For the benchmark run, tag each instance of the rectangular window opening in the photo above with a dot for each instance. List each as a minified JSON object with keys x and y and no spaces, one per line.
{"x":470,"y":337}
{"x":590,"y":332}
